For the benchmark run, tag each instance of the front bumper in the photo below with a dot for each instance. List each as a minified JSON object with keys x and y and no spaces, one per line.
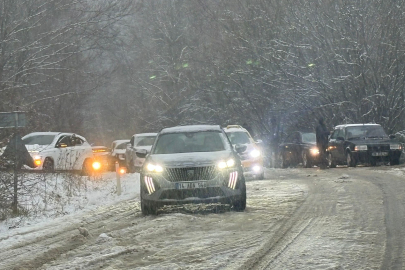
{"x":366,"y":156}
{"x":163,"y":192}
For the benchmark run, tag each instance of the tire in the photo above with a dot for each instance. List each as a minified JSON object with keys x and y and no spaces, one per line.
{"x":305,"y":162}
{"x":283,"y":163}
{"x":48,"y":165}
{"x":394,"y":161}
{"x":148,"y":208}
{"x":350,"y":160}
{"x":331,"y":161}
{"x":86,"y":168}
{"x":131,"y":167}
{"x":240,"y":205}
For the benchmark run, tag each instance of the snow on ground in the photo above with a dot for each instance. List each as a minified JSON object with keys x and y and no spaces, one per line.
{"x":53,"y":196}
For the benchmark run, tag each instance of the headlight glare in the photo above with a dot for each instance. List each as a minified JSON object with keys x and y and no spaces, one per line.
{"x":226,"y":164}
{"x":230,"y":163}
{"x":222,"y":165}
{"x":360,"y":148}
{"x":314,"y":151}
{"x":154,"y":168}
{"x":255,"y":153}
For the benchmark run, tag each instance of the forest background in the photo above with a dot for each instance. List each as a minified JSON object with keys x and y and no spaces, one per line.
{"x":110,"y":68}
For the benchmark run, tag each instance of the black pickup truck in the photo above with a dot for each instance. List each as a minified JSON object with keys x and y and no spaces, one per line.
{"x":362,"y":143}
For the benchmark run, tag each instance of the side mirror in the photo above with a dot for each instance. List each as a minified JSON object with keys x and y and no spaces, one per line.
{"x":61,"y":145}
{"x":392,"y":136}
{"x":141,"y":153}
{"x":340,"y":138}
{"x":240,"y":148}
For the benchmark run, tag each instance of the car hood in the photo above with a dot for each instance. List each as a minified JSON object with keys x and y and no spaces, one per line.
{"x":197,"y":159}
{"x":36,"y":147}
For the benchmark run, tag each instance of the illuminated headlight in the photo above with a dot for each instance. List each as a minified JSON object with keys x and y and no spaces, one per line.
{"x":226,"y":164}
{"x":257,"y":168}
{"x":314,"y":151}
{"x":255,"y":153}
{"x":37,"y":160}
{"x":96,"y":165}
{"x":360,"y":148}
{"x":395,"y":147}
{"x":154,"y":168}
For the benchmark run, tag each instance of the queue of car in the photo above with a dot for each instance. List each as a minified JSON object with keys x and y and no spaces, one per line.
{"x":349,"y":144}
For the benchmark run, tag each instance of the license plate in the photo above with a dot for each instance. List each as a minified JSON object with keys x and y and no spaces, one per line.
{"x":379,"y":154}
{"x":191,"y":185}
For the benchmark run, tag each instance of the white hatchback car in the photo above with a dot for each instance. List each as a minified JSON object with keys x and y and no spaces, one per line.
{"x":59,"y":151}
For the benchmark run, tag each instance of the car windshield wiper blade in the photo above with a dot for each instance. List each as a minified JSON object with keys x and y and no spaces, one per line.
{"x":375,"y":137}
{"x":354,"y":138}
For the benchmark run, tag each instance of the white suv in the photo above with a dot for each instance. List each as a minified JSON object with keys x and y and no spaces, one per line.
{"x":252,"y":157}
{"x":59,"y":151}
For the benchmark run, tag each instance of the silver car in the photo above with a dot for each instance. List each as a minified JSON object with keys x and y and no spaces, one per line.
{"x":192,"y":164}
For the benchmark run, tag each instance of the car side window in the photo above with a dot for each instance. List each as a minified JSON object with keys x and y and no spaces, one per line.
{"x":341,"y":133}
{"x":65,"y":140}
{"x":334,"y":134}
{"x":78,"y":141}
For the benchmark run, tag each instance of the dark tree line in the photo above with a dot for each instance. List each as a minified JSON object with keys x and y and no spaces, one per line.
{"x":115,"y":68}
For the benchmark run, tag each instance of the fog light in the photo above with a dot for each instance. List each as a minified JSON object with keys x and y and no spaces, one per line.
{"x":122,"y":170}
{"x":37,"y":162}
{"x":96,"y":165}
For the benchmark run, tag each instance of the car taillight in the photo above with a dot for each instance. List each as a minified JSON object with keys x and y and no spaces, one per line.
{"x":233,"y":177}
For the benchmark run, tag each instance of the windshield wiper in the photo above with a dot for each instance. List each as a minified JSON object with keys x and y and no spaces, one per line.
{"x":355,"y":138}
{"x":376,"y":137}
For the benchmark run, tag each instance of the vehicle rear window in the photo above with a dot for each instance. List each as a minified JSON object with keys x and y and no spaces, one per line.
{"x":144,"y":140}
{"x":39,"y":139}
{"x":188,"y":142}
{"x":122,"y":146}
{"x":238,"y":137}
{"x":364,"y":132}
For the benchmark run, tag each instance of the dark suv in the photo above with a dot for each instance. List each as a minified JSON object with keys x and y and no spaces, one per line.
{"x":192,"y":164}
{"x":299,"y":147}
{"x":362,"y":143}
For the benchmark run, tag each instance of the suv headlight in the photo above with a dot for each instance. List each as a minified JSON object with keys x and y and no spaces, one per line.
{"x":226,"y":164}
{"x":360,"y":148}
{"x":255,"y":153}
{"x":154,"y":168}
{"x":395,"y":147}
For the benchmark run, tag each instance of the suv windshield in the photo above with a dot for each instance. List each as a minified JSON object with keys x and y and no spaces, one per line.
{"x":239,"y":137}
{"x":309,"y":137}
{"x":144,"y":140}
{"x":187,"y":142}
{"x":39,"y":139}
{"x":364,"y":132}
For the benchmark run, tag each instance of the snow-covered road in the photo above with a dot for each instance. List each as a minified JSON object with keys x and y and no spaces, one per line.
{"x":343,"y":218}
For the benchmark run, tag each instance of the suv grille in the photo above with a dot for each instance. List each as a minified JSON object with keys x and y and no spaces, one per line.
{"x":379,"y":148}
{"x":190,"y":173}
